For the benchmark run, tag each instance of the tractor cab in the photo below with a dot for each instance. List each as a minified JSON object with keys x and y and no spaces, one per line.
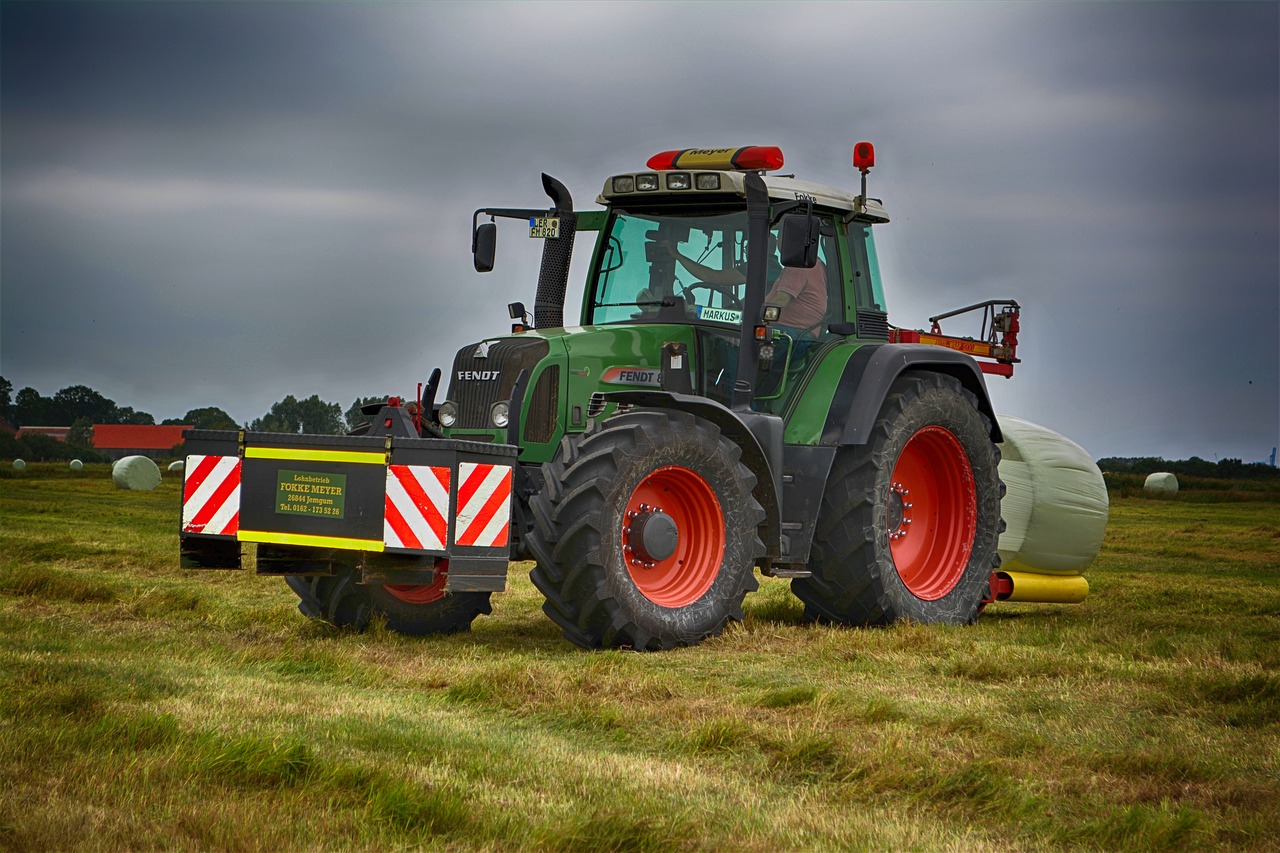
{"x":674,"y":248}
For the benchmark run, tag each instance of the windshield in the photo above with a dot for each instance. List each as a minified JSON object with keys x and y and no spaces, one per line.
{"x":671,"y":269}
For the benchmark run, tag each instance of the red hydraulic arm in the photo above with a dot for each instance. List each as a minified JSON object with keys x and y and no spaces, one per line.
{"x":998,"y":341}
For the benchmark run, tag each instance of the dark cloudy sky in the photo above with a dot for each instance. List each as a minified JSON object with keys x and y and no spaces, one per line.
{"x":224,"y":203}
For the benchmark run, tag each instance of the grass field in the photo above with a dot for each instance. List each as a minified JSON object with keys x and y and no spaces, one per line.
{"x":142,"y":706}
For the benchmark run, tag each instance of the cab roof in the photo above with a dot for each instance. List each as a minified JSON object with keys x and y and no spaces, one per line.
{"x":688,"y":185}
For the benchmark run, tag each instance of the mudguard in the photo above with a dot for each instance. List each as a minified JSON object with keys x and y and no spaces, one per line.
{"x":870,"y":372}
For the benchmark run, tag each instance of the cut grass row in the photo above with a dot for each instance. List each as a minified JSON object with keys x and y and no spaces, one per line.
{"x":141,"y":706}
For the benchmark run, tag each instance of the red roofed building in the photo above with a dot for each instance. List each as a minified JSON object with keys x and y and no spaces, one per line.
{"x":58,"y":432}
{"x":120,"y":440}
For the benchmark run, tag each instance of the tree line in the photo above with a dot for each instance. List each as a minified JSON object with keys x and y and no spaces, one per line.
{"x":1223,"y":469}
{"x":79,"y":407}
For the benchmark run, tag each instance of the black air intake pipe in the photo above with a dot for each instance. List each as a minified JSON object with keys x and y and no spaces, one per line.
{"x":553,"y":277}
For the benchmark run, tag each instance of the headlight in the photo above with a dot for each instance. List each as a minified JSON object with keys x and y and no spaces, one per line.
{"x":708,"y":181}
{"x":624,"y":184}
{"x":500,"y":414}
{"x":448,"y":413}
{"x":646,"y":182}
{"x":677,"y":180}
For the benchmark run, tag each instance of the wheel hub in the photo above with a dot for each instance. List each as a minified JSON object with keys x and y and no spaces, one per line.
{"x":651,"y":535}
{"x":672,"y":536}
{"x":898,"y":512}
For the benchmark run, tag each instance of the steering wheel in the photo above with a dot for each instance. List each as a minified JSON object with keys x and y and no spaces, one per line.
{"x":731,"y":299}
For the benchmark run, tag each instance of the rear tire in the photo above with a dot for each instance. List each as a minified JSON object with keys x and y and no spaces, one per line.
{"x":646,"y":532}
{"x":341,"y":600}
{"x":909,"y":522}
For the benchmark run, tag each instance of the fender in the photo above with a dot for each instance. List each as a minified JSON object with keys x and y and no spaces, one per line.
{"x":870,"y":373}
{"x":759,"y":436}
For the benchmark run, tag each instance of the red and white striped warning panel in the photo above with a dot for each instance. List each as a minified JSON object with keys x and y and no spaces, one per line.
{"x":417,"y":507}
{"x":484,"y":504}
{"x":211,"y":495}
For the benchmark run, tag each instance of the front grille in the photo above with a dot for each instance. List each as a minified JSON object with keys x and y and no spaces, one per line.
{"x":873,"y":324}
{"x":479,"y":382}
{"x":544,"y":407}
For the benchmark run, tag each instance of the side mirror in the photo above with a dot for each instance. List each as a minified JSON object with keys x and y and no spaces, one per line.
{"x":798,"y":240}
{"x":484,"y":245}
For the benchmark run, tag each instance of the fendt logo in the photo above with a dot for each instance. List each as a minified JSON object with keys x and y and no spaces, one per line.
{"x":632,"y":376}
{"x":478,"y":375}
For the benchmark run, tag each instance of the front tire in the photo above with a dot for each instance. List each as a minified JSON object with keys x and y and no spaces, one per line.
{"x":341,"y":600}
{"x":909,"y":522}
{"x":646,"y":533}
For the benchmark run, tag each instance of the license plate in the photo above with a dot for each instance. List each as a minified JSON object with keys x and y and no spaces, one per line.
{"x":545,"y":227}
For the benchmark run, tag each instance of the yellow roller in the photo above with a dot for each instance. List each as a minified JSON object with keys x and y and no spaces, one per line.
{"x":1044,"y":589}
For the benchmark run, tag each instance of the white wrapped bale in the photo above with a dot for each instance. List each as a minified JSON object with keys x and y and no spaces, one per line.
{"x":19,"y":465}
{"x":77,"y":465}
{"x":177,"y":466}
{"x":1055,"y":506}
{"x":137,"y":473}
{"x":1162,"y":483}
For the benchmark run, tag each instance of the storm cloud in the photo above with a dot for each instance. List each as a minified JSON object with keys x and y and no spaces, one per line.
{"x":220,"y":204}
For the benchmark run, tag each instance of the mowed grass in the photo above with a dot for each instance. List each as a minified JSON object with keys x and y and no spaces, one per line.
{"x":143,"y":706}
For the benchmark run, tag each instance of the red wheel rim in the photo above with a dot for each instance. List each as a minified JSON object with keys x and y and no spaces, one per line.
{"x":932,"y":513}
{"x":690,"y":503}
{"x":423,"y":593}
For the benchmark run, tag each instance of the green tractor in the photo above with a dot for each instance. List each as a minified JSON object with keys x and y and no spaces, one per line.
{"x":732,"y":398}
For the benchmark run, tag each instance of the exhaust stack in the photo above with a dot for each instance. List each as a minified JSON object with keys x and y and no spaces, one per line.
{"x":557,"y":252}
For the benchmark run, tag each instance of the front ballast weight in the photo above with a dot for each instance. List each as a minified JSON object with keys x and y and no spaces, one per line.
{"x":417,"y":530}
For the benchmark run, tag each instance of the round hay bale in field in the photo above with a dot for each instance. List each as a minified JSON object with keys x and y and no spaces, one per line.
{"x":19,"y":465}
{"x":77,"y":465}
{"x":1056,"y":504}
{"x":137,"y":473}
{"x":177,"y":466}
{"x":1162,"y":483}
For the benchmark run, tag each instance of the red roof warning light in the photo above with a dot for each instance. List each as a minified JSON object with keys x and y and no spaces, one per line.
{"x":864,"y":156}
{"x":750,"y":159}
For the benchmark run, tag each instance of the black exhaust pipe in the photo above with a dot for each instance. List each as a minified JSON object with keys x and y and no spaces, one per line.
{"x":553,"y":277}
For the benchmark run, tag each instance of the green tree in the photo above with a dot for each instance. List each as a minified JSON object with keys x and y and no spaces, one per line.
{"x":311,"y":415}
{"x":81,"y":434}
{"x":31,"y":409}
{"x":6,"y":399}
{"x":209,"y":417}
{"x":43,"y":448}
{"x":81,"y":401}
{"x":127,"y":415}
